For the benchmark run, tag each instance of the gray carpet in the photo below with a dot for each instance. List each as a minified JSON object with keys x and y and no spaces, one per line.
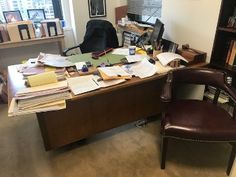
{"x":126,"y":151}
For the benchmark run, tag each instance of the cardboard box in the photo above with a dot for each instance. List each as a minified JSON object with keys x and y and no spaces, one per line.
{"x":21,"y":30}
{"x":51,"y":28}
{"x":4,"y":37}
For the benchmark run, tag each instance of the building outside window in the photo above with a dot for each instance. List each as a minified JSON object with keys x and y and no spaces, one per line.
{"x":23,"y":5}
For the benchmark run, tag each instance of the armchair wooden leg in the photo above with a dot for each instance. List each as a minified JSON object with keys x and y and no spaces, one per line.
{"x":231,"y":159}
{"x":164,"y":147}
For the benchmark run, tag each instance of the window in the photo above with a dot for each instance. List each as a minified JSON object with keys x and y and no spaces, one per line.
{"x":52,"y":8}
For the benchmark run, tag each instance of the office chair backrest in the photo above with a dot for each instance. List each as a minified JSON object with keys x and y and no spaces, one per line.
{"x":100,"y":34}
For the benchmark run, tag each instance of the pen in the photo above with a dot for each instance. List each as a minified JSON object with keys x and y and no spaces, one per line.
{"x":95,"y":82}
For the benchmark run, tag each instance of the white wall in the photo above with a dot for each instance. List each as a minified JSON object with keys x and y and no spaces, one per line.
{"x":81,"y":15}
{"x":191,"y":21}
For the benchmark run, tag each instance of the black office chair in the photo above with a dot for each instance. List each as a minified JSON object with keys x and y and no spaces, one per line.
{"x":100,"y":34}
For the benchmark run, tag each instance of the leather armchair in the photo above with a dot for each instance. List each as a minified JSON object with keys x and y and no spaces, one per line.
{"x":197,"y":120}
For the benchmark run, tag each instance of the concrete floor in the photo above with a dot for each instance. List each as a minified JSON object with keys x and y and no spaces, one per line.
{"x":126,"y":151}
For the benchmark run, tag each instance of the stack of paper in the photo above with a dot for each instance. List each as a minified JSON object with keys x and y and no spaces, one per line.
{"x":33,"y":67}
{"x":40,"y":99}
{"x":83,"y":84}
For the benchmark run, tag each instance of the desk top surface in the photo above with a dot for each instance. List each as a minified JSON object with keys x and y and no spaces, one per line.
{"x":16,"y":82}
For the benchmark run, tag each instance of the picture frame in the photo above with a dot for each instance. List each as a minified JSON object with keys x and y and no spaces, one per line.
{"x":97,"y":8}
{"x":12,"y":16}
{"x":36,"y":15}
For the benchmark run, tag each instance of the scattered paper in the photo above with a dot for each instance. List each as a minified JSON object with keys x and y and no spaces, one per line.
{"x":141,"y":69}
{"x":166,"y":57}
{"x":136,"y":58}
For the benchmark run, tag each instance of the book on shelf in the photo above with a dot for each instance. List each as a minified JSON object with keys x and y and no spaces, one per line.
{"x":231,"y":55}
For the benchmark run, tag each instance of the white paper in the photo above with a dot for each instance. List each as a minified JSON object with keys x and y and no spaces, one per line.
{"x":136,"y":58}
{"x":54,"y":60}
{"x":82,"y":84}
{"x":166,"y":57}
{"x":141,"y":69}
{"x":79,"y":65}
{"x":121,"y":51}
{"x":113,"y":71}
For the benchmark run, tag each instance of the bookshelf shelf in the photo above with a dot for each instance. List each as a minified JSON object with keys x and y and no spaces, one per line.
{"x":224,"y":66}
{"x":231,"y":30}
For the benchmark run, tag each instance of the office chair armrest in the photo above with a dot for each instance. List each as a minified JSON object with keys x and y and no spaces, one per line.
{"x":166,"y":94}
{"x":67,"y":50}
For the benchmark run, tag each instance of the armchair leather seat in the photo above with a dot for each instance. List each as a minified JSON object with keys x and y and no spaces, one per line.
{"x":198,"y":120}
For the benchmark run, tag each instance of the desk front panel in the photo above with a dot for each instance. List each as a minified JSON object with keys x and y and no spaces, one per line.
{"x":86,"y":116}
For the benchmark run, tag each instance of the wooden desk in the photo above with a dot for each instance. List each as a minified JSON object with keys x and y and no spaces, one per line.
{"x":96,"y":111}
{"x":57,"y":39}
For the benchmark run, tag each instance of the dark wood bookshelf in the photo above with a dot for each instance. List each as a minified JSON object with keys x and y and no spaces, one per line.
{"x":223,"y":37}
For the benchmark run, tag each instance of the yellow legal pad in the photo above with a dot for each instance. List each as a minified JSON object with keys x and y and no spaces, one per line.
{"x":42,"y":79}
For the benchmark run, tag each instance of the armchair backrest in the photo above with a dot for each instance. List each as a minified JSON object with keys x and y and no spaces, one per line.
{"x":200,"y":76}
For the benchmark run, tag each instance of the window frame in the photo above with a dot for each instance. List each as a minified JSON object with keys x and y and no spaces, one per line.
{"x":57,"y":8}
